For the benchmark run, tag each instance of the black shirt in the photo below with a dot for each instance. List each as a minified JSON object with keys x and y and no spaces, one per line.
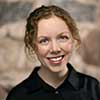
{"x":76,"y":86}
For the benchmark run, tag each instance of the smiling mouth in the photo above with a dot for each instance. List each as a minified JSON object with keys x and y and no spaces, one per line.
{"x":56,"y":60}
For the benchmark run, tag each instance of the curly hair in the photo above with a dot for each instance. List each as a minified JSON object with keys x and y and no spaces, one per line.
{"x":45,"y":12}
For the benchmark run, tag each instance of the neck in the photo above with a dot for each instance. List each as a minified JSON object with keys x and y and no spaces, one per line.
{"x":53,"y":78}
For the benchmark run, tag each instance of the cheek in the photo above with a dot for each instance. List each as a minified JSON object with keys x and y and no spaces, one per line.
{"x":68,"y":47}
{"x":42,"y":51}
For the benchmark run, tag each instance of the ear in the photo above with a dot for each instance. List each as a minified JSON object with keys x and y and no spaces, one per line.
{"x":75,"y":44}
{"x":35,"y":49}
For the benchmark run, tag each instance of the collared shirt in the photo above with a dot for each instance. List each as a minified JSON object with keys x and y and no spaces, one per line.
{"x":76,"y":86}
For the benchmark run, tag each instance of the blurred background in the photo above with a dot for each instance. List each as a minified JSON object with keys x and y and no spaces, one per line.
{"x":15,"y":66}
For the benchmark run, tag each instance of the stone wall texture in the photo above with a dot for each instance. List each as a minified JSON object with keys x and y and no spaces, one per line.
{"x":15,"y":65}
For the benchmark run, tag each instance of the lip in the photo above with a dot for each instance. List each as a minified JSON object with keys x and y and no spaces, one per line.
{"x":56,"y":60}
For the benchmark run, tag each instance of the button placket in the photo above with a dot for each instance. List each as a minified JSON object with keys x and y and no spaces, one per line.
{"x":56,"y":92}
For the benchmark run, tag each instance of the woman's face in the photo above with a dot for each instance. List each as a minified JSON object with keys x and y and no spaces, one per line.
{"x":54,"y":43}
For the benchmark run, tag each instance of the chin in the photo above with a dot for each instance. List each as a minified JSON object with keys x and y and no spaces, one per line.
{"x":57,"y":68}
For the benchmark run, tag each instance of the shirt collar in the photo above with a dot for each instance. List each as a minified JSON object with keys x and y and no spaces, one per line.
{"x":35,"y":82}
{"x":73,"y":77}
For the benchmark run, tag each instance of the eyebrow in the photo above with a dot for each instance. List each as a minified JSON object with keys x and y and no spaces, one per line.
{"x":68,"y":33}
{"x":61,"y":33}
{"x":41,"y":37}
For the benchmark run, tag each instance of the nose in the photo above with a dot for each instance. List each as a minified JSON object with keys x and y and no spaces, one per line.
{"x":55,"y":48}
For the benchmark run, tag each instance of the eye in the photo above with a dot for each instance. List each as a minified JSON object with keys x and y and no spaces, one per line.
{"x":44,"y":41}
{"x":63,"y":38}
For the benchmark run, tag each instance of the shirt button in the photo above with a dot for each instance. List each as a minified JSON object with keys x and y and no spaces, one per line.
{"x":56,"y":92}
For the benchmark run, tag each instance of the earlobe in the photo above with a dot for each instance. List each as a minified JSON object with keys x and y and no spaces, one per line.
{"x":75,"y":44}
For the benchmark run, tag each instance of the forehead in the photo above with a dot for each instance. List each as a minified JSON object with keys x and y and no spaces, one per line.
{"x":52,"y":25}
{"x":51,"y":20}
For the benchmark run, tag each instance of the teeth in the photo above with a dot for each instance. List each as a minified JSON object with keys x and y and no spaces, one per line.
{"x":56,"y":59}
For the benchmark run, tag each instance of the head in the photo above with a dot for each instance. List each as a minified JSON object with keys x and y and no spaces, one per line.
{"x":38,"y":23}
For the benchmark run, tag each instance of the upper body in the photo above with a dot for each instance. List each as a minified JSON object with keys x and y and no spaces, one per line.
{"x":76,"y":85}
{"x":52,"y":35}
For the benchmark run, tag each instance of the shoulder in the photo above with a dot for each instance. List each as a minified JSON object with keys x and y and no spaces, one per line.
{"x":24,"y":87}
{"x":82,"y":79}
{"x":18,"y":90}
{"x":87,"y":79}
{"x":90,"y":85}
{"x":87,"y":85}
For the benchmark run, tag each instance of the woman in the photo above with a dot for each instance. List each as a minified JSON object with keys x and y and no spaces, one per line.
{"x":52,"y":34}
